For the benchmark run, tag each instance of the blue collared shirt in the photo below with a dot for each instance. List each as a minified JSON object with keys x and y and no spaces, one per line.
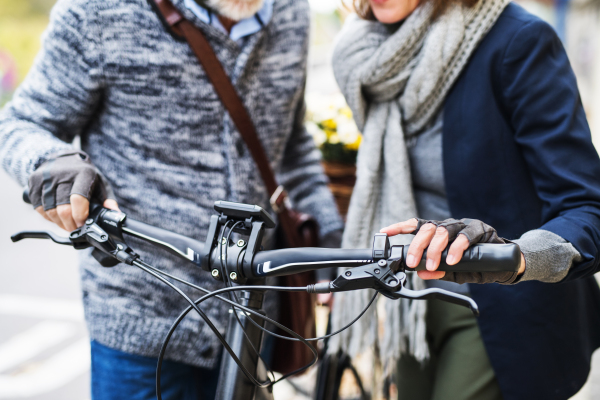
{"x":240,"y":30}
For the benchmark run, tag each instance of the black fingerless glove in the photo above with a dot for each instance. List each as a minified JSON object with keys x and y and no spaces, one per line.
{"x":477,"y":232}
{"x":66,"y":173}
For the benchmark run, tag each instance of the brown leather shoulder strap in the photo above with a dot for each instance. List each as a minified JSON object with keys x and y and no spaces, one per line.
{"x":223,"y":86}
{"x":169,"y":14}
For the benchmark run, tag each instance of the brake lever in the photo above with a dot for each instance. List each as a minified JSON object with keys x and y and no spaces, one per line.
{"x":109,"y":247}
{"x":434,"y":293}
{"x":389,"y":279}
{"x":41,"y":235}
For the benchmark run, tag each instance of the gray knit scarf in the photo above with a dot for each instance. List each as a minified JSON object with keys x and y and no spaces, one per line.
{"x":395,"y":82}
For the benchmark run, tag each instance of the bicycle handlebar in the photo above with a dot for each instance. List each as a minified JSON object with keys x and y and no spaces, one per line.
{"x":478,"y":258}
{"x":382,"y":268}
{"x":179,"y":245}
{"x":483,"y":257}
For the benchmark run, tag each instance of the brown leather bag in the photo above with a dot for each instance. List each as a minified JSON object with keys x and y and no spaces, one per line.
{"x":297,"y":310}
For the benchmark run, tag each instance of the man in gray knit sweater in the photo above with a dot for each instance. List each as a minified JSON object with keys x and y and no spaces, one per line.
{"x":110,"y":72}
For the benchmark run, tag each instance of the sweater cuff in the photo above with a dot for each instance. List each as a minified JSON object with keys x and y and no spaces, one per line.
{"x":548,"y":257}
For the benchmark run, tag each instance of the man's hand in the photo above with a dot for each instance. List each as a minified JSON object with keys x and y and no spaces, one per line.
{"x":434,"y":236}
{"x":61,"y":187}
{"x":72,"y":216}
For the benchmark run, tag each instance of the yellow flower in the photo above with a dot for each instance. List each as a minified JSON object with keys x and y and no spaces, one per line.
{"x":329,"y":120}
{"x":329,"y":124}
{"x":329,"y":133}
{"x":346,"y":112}
{"x":355,"y":145}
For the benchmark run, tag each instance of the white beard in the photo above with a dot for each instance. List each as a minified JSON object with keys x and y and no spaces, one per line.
{"x":236,"y":10}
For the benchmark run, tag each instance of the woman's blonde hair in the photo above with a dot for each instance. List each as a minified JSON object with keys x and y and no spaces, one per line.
{"x":363,"y":8}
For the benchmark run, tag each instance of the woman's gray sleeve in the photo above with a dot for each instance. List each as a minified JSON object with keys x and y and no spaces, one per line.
{"x":548,"y":257}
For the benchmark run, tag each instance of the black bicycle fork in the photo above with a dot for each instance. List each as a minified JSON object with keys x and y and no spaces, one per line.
{"x":233,"y":384}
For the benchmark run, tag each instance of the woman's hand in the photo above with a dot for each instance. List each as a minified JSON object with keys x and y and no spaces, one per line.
{"x":434,"y":236}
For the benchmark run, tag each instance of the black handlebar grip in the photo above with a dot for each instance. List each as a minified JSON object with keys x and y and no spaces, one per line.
{"x":482,"y":257}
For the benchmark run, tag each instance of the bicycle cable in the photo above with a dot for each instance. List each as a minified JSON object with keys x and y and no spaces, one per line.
{"x":276,"y":335}
{"x":280,"y":287}
{"x":156,"y":273}
{"x":233,"y":295}
{"x":235,"y":304}
{"x":209,"y":323}
{"x":248,"y":310}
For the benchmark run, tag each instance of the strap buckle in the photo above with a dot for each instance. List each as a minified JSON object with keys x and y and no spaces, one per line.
{"x":171,"y":15}
{"x":278,"y":198}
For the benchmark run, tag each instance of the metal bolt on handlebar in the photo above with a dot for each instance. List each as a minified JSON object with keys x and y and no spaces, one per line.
{"x":89,"y":221}
{"x":215,"y":273}
{"x":382,"y":263}
{"x":233,"y":276}
{"x":241,"y":243}
{"x":348,"y":273}
{"x":224,"y":240}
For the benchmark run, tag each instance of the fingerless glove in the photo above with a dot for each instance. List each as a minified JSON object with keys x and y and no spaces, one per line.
{"x":64,"y":174}
{"x":476,"y":232}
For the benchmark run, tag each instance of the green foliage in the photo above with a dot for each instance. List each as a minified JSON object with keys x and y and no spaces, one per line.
{"x":338,"y":152}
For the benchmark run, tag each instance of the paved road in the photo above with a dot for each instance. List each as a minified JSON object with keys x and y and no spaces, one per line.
{"x":44,"y":349}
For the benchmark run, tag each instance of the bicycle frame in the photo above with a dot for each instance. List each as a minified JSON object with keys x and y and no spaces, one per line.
{"x":233,"y":384}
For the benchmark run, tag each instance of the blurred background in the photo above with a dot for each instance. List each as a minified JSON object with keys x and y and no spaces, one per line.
{"x":43,"y":342}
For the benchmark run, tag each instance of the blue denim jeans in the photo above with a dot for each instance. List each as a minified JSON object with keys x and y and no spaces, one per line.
{"x":117,"y":375}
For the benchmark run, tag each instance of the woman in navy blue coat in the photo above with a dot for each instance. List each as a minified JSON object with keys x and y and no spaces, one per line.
{"x":537,"y":168}
{"x":516,"y":154}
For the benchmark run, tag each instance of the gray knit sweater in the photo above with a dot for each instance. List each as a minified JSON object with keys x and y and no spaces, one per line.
{"x":110,"y":72}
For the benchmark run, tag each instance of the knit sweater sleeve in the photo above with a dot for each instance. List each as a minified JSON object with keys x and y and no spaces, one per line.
{"x":548,"y":257}
{"x":303,"y":177}
{"x":59,"y":95}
